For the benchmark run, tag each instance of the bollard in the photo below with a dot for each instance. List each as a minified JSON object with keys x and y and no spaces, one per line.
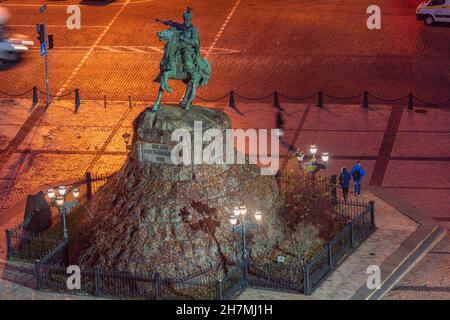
{"x":232,"y":103}
{"x":279,"y":121}
{"x":320,"y":99}
{"x":104,"y":100}
{"x":35,"y":96}
{"x":366,"y":99}
{"x":77,"y":100}
{"x":410,"y":102}
{"x":276,"y":100}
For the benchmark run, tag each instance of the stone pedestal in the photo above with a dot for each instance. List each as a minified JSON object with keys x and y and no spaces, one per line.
{"x":155,"y":215}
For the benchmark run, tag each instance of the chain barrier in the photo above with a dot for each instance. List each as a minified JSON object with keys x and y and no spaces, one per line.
{"x":445,"y":103}
{"x":442,"y":104}
{"x":213,"y":100}
{"x":56,"y":96}
{"x":298,"y":98}
{"x":343,"y":98}
{"x":388,"y":100}
{"x":253,"y":99}
{"x":16,"y":95}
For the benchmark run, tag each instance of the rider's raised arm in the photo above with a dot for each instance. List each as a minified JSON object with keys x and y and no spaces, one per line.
{"x":170,"y":23}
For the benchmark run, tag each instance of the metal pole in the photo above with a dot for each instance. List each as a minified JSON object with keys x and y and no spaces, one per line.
{"x":46,"y":61}
{"x":372,"y":214}
{"x":97,"y":280}
{"x":37,"y":268}
{"x":219,"y":289}
{"x":63,"y":214}
{"x":244,"y":255}
{"x":157,"y":286}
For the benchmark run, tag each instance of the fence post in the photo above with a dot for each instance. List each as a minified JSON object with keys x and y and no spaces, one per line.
{"x":351,"y":235}
{"x":8,"y":244}
{"x":333,"y":183}
{"x":232,"y":103}
{"x":88,"y":186}
{"x":97,"y":273}
{"x":77,"y":100}
{"x":366,"y":99}
{"x":157,"y":286}
{"x":37,"y":271}
{"x":330,"y":261}
{"x":219,"y":289}
{"x":372,"y":214}
{"x":320,"y":99}
{"x":306,"y":279}
{"x":410,"y":101}
{"x":276,"y":100}
{"x":35,"y":96}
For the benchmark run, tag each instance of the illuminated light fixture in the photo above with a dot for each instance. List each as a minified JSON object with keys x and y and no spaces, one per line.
{"x":313,"y":149}
{"x":233,"y":219}
{"x":60,"y":201}
{"x":51,"y":193}
{"x":258,"y":215}
{"x":243,"y":210}
{"x":76,"y":193}
{"x":325,"y":157}
{"x":62,"y":190}
{"x":237,"y":211}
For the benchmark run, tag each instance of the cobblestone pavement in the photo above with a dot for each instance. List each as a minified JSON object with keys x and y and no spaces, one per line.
{"x":429,"y":279}
{"x":393,"y":228}
{"x":255,"y":47}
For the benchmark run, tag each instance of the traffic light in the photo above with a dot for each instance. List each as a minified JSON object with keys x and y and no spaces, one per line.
{"x":50,"y":41}
{"x":40,"y":29}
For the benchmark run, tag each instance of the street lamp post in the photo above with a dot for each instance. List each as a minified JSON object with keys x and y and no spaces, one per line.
{"x":58,"y":199}
{"x":314,"y":162}
{"x":239,"y":222}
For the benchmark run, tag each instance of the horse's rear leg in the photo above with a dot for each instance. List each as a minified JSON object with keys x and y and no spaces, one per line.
{"x":186,"y":95}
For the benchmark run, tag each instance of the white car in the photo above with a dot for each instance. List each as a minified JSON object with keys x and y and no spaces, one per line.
{"x":12,"y":48}
{"x":432,"y":11}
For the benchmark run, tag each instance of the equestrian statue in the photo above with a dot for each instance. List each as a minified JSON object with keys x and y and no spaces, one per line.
{"x":181,"y":60}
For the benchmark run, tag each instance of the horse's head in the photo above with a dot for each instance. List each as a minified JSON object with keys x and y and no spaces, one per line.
{"x":168,"y":34}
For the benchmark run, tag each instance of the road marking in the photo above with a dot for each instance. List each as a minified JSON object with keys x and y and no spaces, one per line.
{"x":219,"y":34}
{"x":91,"y":49}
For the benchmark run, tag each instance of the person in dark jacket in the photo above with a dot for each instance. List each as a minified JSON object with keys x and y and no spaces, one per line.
{"x":358,"y":173}
{"x":344,"y":182}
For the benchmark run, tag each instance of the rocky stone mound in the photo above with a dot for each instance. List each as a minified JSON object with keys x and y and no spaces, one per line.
{"x":154,"y":215}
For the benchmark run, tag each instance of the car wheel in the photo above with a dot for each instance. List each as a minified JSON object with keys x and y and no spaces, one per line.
{"x":429,"y":20}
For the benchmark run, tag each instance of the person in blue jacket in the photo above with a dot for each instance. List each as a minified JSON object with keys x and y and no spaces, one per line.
{"x":344,"y":182}
{"x":357,"y":173}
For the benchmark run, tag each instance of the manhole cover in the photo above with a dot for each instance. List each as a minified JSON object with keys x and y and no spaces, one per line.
{"x":421,"y":111}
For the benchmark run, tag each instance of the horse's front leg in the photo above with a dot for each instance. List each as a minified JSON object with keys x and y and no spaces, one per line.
{"x":158,"y":99}
{"x":186,"y":95}
{"x":191,"y":95}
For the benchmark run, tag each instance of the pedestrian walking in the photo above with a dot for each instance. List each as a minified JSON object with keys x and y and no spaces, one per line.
{"x":357,"y":173}
{"x":344,"y":182}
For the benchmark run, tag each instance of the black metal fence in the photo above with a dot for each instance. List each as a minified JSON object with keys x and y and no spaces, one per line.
{"x":50,"y":254}
{"x":24,"y":245}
